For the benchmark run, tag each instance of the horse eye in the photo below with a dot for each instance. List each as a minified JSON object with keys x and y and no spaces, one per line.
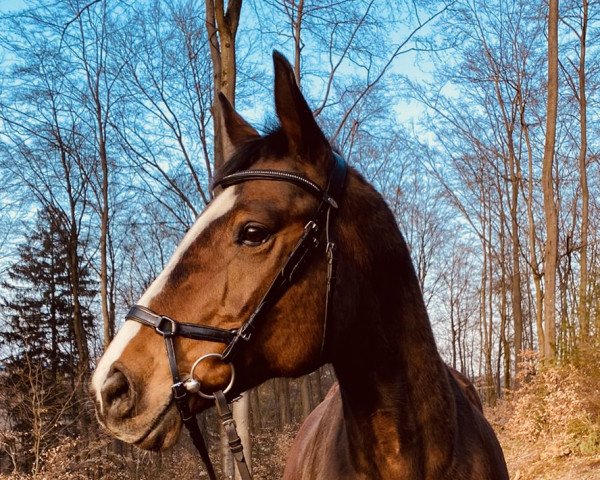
{"x":253,"y":235}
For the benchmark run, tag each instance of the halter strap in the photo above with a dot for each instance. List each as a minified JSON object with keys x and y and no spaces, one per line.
{"x":167,"y":327}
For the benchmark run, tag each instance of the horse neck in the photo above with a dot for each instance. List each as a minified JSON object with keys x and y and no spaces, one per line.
{"x":398,"y":406}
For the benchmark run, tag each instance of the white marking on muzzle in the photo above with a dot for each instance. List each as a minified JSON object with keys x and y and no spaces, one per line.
{"x":113,"y":352}
{"x":218,"y":207}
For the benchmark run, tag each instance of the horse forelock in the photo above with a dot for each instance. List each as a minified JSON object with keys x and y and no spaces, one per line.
{"x":273,"y":144}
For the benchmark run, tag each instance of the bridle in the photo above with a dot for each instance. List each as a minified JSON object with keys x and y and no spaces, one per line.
{"x":300,"y":255}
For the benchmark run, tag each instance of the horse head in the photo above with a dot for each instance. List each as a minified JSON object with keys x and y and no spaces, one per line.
{"x":220,"y":274}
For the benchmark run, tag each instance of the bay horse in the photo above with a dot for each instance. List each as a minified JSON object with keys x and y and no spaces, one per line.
{"x":295,"y":263}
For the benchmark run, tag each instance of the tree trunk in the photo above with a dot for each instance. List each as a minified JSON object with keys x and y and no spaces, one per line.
{"x":305,"y":396}
{"x":221,"y":25}
{"x":486,"y":328}
{"x":584,"y":316}
{"x":515,"y":282}
{"x":318,"y":386}
{"x":537,"y":276}
{"x":241,"y":415}
{"x":255,"y":409}
{"x":78,"y":327}
{"x":514,"y":169}
{"x":283,"y":397}
{"x":504,"y":345}
{"x":550,"y":207}
{"x":297,"y":27}
{"x":107,"y":317}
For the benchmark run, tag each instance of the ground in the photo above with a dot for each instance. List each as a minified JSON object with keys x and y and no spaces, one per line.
{"x":549,"y":427}
{"x":527,"y":461}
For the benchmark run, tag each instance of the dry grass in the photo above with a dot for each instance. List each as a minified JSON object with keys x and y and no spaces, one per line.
{"x":77,"y":459}
{"x":550,"y":427}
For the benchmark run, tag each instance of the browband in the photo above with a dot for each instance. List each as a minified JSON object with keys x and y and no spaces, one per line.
{"x":283,"y":176}
{"x":333,"y":189}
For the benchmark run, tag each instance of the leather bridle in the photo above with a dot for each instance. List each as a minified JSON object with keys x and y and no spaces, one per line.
{"x":302,"y":252}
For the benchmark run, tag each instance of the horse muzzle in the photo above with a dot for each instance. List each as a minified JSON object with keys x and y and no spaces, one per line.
{"x":122,"y":410}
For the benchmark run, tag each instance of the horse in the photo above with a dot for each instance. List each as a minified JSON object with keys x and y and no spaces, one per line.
{"x":295,"y":263}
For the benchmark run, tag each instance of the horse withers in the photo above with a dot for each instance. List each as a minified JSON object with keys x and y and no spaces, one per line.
{"x":295,"y":264}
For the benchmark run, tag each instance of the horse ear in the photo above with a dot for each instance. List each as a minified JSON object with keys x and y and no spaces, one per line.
{"x":296,"y":118}
{"x":236,"y":130}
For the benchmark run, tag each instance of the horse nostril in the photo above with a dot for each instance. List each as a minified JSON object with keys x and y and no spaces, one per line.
{"x":117,"y":394}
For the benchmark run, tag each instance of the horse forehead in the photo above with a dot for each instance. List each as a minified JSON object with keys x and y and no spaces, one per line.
{"x":270,"y":195}
{"x":220,"y":206}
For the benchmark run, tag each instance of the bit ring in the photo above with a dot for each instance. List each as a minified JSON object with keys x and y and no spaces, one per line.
{"x":204,"y":357}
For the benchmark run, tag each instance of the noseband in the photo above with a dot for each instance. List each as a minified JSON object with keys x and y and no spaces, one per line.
{"x":300,"y":255}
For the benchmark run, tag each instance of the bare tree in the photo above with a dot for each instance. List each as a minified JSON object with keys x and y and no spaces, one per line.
{"x":91,"y":46}
{"x":222,"y":23}
{"x":34,"y":397}
{"x":45,"y":143}
{"x":576,"y":19}
{"x":163,"y":113}
{"x":550,"y":207}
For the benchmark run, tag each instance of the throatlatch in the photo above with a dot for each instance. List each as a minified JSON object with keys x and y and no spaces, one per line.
{"x":302,"y":252}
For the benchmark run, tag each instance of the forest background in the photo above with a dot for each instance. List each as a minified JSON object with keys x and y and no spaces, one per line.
{"x":478,"y":122}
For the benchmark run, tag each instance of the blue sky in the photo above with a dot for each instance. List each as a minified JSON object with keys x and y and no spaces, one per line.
{"x":406,"y":64}
{"x":11,"y":5}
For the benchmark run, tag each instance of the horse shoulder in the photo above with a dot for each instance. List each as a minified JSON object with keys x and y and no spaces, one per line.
{"x":466,"y":387}
{"x":320,"y":443}
{"x":478,"y":454}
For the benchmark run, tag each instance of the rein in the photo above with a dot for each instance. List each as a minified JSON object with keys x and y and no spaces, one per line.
{"x":299,"y":256}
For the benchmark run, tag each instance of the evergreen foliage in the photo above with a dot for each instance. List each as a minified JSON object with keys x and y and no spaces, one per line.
{"x":36,"y":339}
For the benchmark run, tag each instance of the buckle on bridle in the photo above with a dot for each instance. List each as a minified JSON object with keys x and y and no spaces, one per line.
{"x":245,"y":331}
{"x":311,"y":228}
{"x":179,"y":390}
{"x":160,"y":327}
